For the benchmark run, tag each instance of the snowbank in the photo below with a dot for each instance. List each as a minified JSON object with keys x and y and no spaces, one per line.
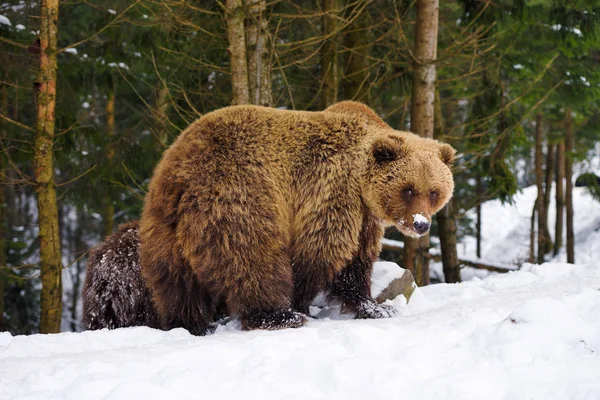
{"x":531,"y":334}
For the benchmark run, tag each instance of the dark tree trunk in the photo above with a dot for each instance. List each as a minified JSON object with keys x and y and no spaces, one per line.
{"x":447,"y":230}
{"x":79,"y":249}
{"x":329,"y":53}
{"x":532,"y":235}
{"x":3,"y":265}
{"x":108,"y":207}
{"x":358,"y":47}
{"x":560,"y":198}
{"x":569,"y":145}
{"x":479,"y":195}
{"x":446,"y":218}
{"x":547,"y":194}
{"x":539,"y":202}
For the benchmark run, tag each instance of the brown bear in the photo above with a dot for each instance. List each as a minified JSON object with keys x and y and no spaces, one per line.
{"x":115,"y":294}
{"x":255,"y":210}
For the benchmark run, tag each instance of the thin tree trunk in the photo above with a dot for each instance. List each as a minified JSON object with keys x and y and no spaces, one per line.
{"x":447,"y":231}
{"x":539,"y":156}
{"x":446,"y":218}
{"x":547,"y":195}
{"x":569,"y":145}
{"x":79,"y":249}
{"x":329,"y":53}
{"x":3,"y":265}
{"x":422,"y":114}
{"x":237,"y":52}
{"x":259,"y":63}
{"x":50,"y":254}
{"x":560,"y":198}
{"x":532,"y":234}
{"x":108,"y":207}
{"x":479,"y":194}
{"x":358,"y":47}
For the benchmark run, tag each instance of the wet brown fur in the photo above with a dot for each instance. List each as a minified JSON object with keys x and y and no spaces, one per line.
{"x":257,"y":209}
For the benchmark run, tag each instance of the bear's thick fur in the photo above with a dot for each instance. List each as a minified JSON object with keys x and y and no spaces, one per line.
{"x":115,"y":294}
{"x":255,"y":210}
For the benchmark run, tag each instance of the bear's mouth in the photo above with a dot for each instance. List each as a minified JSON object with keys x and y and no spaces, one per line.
{"x":408,"y":230}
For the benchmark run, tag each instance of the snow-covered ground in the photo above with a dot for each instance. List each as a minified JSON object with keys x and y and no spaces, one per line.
{"x":531,"y":334}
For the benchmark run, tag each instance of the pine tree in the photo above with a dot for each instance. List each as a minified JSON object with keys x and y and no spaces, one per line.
{"x":50,"y":254}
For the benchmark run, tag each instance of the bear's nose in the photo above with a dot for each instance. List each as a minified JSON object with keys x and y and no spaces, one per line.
{"x":421,"y":227}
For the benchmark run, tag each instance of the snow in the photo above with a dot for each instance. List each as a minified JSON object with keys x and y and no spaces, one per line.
{"x":20,"y":27}
{"x":71,"y":50}
{"x":531,"y":334}
{"x":4,"y":21}
{"x":111,"y":11}
{"x":420,"y":218}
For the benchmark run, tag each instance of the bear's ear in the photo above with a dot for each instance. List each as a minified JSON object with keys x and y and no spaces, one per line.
{"x":447,"y":154}
{"x":357,"y":109}
{"x":387,"y":149}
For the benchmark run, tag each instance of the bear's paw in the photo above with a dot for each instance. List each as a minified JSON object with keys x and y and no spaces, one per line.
{"x":372,"y":310}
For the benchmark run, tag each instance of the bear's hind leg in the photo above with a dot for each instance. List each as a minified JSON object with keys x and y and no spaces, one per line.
{"x":237,"y":242}
{"x":183,"y":302}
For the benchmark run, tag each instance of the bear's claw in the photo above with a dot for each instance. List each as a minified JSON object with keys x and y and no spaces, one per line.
{"x":372,"y":310}
{"x":274,"y":320}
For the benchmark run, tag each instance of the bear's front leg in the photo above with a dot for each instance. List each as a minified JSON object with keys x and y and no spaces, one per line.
{"x":352,"y":286}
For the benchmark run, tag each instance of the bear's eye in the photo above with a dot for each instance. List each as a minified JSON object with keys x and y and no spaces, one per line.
{"x":408,"y":192}
{"x":433,"y":196}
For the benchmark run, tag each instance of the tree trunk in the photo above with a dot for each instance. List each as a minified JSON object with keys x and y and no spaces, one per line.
{"x":79,"y":249}
{"x":358,"y":47}
{"x":3,"y":265}
{"x":237,"y":52}
{"x":569,"y":145}
{"x":560,"y":198}
{"x":259,"y":63}
{"x":446,"y":218}
{"x":539,"y":156}
{"x":329,"y":53}
{"x":422,"y":115}
{"x":547,"y":195}
{"x":447,"y":231}
{"x":50,"y":254}
{"x":479,"y":195}
{"x":108,"y":207}
{"x":532,"y":235}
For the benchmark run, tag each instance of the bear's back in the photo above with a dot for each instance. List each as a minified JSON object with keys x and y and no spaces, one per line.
{"x":259,"y":137}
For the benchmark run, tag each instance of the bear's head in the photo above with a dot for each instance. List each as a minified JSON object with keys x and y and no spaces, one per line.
{"x":409,"y":179}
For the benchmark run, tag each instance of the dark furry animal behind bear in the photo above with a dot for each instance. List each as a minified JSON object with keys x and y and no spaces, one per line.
{"x":115,"y":294}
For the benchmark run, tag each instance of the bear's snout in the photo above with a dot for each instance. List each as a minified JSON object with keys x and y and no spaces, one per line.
{"x":421,"y":227}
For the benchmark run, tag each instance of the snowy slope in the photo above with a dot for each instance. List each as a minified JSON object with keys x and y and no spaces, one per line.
{"x":532,"y":334}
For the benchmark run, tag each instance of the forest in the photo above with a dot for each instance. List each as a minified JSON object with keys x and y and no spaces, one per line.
{"x":92,"y":92}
